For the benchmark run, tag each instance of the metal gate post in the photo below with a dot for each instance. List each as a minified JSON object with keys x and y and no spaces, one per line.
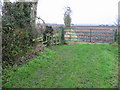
{"x":115,"y":33}
{"x":90,"y":35}
{"x":62,"y":36}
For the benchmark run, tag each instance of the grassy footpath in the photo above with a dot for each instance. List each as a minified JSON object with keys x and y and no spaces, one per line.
{"x":68,"y":66}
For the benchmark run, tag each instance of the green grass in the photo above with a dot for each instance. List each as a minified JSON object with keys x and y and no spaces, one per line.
{"x":68,"y":66}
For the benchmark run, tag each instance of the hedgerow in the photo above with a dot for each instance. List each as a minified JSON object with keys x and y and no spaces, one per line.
{"x":16,"y":34}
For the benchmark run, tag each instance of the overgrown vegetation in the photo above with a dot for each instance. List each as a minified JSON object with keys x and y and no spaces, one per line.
{"x":77,"y":66}
{"x":68,"y":66}
{"x":17,"y":36}
{"x":19,"y":31}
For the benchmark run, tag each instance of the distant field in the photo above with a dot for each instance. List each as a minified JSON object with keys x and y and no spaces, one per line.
{"x":56,"y":26}
{"x":95,"y":27}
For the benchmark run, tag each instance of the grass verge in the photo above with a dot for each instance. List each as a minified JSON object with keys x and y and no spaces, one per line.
{"x":68,"y":66}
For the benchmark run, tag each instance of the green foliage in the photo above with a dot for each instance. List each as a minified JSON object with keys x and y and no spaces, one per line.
{"x":15,"y":43}
{"x":51,"y":36}
{"x":16,"y":34}
{"x":47,"y":34}
{"x":67,"y":21}
{"x":8,"y":72}
{"x":16,"y":14}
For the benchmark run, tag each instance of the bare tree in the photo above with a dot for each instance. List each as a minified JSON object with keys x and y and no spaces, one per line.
{"x":0,"y":38}
{"x":42,"y":26}
{"x":116,"y":21}
{"x":119,"y":22}
{"x":67,"y":17}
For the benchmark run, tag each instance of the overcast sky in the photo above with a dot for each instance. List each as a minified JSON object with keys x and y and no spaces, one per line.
{"x":83,"y":11}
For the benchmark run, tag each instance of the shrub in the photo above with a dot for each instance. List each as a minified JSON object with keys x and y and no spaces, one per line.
{"x":15,"y":43}
{"x":16,"y":36}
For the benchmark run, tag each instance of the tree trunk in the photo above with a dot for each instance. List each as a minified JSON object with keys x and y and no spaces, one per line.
{"x":33,"y":16}
{"x":119,"y":22}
